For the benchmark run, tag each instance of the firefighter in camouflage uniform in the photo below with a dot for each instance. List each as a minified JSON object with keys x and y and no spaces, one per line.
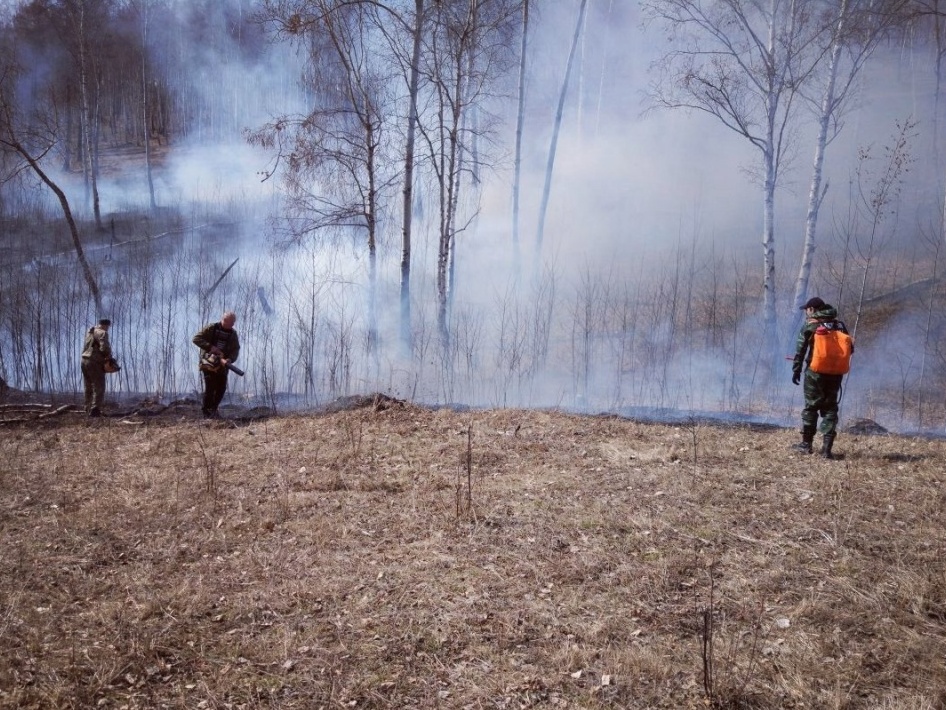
{"x":219,"y":345}
{"x":95,"y":351}
{"x":822,"y":392}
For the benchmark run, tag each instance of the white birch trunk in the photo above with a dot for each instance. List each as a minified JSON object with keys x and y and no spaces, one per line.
{"x":144,"y":102}
{"x":520,"y":120}
{"x":816,"y":192}
{"x":547,"y":188}
{"x":408,"y":190}
{"x":768,"y":211}
{"x":87,"y":117}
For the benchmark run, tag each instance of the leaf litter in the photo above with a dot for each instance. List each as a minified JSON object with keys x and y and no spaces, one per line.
{"x":399,"y":556}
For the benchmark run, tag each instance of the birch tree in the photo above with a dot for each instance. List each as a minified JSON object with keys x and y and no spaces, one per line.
{"x":520,"y":122}
{"x":468,"y":53}
{"x":405,"y":38}
{"x":89,"y":117}
{"x":556,"y":127}
{"x":858,"y":27}
{"x":145,"y":12}
{"x":407,"y":205}
{"x":335,"y":172}
{"x":451,"y":42}
{"x":745,"y":64}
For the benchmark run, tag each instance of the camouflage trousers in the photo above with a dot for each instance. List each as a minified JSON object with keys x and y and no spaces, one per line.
{"x":821,"y":399}
{"x":93,"y":374}
{"x":215,"y":386}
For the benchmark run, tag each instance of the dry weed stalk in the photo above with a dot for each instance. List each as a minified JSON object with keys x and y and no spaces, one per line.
{"x":353,"y":431}
{"x":709,"y":675}
{"x":282,"y":501}
{"x":211,"y":465}
{"x":730,"y":691}
{"x":354,"y":435}
{"x":464,"y":503}
{"x":693,"y":425}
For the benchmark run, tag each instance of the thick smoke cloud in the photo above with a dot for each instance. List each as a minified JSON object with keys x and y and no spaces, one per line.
{"x":651,"y":213}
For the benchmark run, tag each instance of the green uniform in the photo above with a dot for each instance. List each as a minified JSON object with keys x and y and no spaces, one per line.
{"x":215,"y":382}
{"x":95,"y":351}
{"x":821,"y":391}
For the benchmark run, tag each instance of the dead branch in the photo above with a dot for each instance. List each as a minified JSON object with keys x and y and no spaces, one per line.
{"x":221,"y":278}
{"x":31,"y":408}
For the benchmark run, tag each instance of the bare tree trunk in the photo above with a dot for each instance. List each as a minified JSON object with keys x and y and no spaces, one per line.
{"x":67,"y":213}
{"x":938,"y":73}
{"x":547,"y":188}
{"x":448,"y":187}
{"x":87,"y":117}
{"x":816,"y":192}
{"x":67,"y":143}
{"x":768,"y":255}
{"x":451,"y":99}
{"x":520,"y":121}
{"x":931,"y":307}
{"x":467,"y":125}
{"x":96,"y":153}
{"x":408,"y":191}
{"x":145,"y":112}
{"x":371,"y":224}
{"x":937,"y":99}
{"x":38,"y":365}
{"x":471,"y":116}
{"x":604,"y":67}
{"x":770,"y":162}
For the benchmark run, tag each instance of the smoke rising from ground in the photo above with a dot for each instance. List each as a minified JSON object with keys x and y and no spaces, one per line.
{"x":647,"y":286}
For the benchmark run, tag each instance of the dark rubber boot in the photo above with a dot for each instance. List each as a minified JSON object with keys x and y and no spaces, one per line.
{"x":826,"y":446}
{"x":807,"y":437}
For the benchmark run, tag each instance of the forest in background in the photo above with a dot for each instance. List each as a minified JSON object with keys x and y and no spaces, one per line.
{"x":463,"y":203}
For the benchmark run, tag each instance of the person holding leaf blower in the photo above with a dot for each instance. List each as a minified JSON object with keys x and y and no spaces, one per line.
{"x":220,"y":347}
{"x":824,"y":350}
{"x":96,"y":361}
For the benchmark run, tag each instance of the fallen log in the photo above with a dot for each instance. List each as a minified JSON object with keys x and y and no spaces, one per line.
{"x":19,"y":409}
{"x":61,"y":410}
{"x":24,"y":407}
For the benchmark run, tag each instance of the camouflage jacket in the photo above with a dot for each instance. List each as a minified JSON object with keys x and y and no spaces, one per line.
{"x":215,"y":334}
{"x":827,"y":317}
{"x":96,"y":346}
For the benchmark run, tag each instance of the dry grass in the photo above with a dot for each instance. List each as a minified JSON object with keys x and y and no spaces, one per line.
{"x":342,"y":561}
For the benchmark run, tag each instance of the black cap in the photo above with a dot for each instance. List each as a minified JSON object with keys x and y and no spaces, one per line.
{"x":104,"y":321}
{"x":814,"y":303}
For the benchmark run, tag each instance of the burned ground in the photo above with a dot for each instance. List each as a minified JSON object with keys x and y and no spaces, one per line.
{"x":387,"y":555}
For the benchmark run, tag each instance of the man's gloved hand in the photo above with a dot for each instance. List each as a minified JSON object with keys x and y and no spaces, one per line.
{"x":796,"y":378}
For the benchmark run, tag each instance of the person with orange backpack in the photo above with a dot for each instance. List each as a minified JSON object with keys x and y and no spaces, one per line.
{"x":824,"y":350}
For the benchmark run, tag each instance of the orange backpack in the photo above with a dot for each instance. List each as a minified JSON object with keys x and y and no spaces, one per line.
{"x":831,"y":351}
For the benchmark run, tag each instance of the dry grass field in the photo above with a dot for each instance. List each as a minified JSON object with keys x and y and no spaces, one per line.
{"x":391,"y":556}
